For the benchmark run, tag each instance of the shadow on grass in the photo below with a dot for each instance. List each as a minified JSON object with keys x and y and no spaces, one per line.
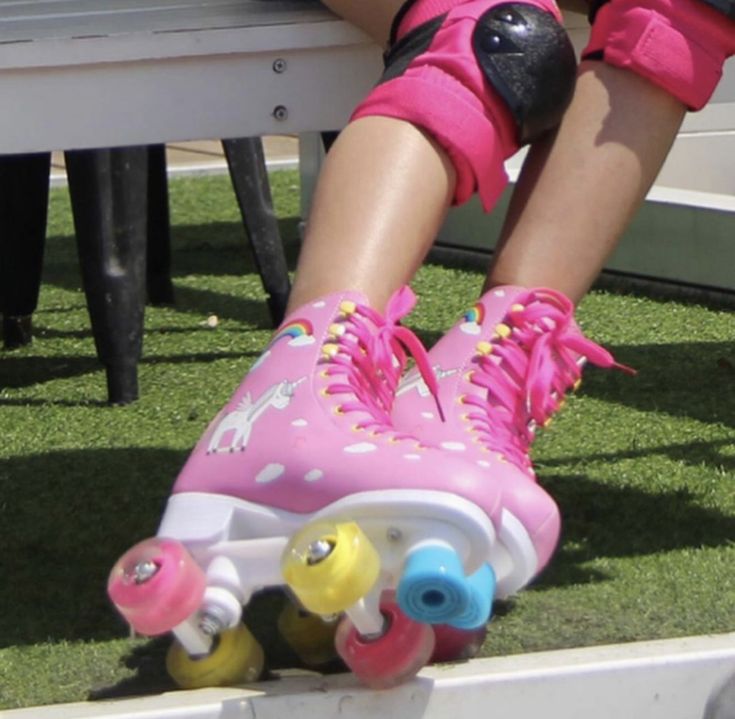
{"x":217,"y":249}
{"x":21,"y":370}
{"x":48,"y":332}
{"x":24,"y":371}
{"x":693,"y":380}
{"x":148,"y":660}
{"x":65,"y":517}
{"x":225,"y":306}
{"x":599,"y":520}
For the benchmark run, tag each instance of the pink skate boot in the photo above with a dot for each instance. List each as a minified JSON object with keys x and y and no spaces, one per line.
{"x":503,"y":370}
{"x":301,"y":480}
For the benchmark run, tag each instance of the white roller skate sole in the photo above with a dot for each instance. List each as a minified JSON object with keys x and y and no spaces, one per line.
{"x":522,"y":559}
{"x":252,"y":537}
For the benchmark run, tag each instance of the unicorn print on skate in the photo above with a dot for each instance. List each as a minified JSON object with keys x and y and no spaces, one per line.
{"x":417,"y":381}
{"x":238,"y":424}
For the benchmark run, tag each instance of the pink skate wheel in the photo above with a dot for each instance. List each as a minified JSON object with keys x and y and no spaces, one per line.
{"x":390,"y":659}
{"x":156,"y":585}
{"x":453,"y":645}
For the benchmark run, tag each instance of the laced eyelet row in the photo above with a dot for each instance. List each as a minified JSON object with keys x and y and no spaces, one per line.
{"x":527,"y":366}
{"x":365,"y":354}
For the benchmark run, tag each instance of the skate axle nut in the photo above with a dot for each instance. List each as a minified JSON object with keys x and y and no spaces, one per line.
{"x":211,"y":623}
{"x":374,"y":636}
{"x":144,"y":571}
{"x":318,"y":551}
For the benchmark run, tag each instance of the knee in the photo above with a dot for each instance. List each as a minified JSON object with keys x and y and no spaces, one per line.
{"x":482,"y":77}
{"x":514,"y":52}
{"x":527,"y":59}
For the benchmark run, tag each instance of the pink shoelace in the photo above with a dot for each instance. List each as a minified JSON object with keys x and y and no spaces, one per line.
{"x":372,"y":352}
{"x":527,"y":369}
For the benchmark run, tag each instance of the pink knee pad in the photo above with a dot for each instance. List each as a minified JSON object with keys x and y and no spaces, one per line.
{"x":457,"y":71}
{"x":680,"y":45}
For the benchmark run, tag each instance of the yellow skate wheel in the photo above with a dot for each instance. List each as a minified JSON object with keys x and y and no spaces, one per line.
{"x":236,"y":658}
{"x":310,"y":636}
{"x":330,"y":566}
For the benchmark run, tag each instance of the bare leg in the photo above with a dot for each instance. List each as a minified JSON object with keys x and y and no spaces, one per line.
{"x":578,"y":191}
{"x":376,"y":162}
{"x":349,"y":244}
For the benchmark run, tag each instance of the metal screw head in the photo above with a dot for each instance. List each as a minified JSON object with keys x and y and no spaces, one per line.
{"x":318,"y":551}
{"x":280,"y":112}
{"x":144,"y":571}
{"x":393,"y":534}
{"x":279,"y":65}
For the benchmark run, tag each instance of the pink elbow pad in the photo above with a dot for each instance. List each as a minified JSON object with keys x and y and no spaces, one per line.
{"x":482,"y":77}
{"x":679,"y":45}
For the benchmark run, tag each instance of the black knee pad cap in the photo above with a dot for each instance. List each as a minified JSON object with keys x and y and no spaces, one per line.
{"x":528,"y":58}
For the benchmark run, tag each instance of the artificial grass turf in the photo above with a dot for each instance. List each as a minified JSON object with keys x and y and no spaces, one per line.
{"x":643,"y":468}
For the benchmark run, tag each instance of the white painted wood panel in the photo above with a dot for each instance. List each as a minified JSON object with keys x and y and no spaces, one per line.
{"x":670,"y":679}
{"x":80,"y":73}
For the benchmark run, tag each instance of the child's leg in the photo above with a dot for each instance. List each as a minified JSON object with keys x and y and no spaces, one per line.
{"x":375,"y":213}
{"x":381,"y":196}
{"x":465,"y":84}
{"x":648,"y":63}
{"x":578,"y":191}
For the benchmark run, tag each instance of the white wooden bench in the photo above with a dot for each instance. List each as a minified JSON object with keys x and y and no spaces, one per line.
{"x":86,"y":74}
{"x":667,"y":679}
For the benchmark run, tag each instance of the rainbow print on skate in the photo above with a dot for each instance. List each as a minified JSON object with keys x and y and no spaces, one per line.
{"x":300,"y":332}
{"x":473,"y":319}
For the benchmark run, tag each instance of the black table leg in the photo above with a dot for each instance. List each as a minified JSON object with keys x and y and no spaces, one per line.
{"x":158,"y":268}
{"x":108,"y":191}
{"x":246,"y":161}
{"x":24,"y":183}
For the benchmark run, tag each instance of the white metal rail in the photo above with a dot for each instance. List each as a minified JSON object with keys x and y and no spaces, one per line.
{"x":669,"y":679}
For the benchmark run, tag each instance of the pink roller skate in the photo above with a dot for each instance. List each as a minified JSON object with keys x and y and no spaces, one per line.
{"x":503,"y":370}
{"x":301,"y":480}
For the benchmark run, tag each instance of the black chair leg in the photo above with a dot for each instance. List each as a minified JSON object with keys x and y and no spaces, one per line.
{"x":246,"y":162}
{"x":158,"y":267}
{"x":24,"y":183}
{"x":108,"y":191}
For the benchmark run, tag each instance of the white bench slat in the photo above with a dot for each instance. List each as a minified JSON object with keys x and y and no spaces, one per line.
{"x":70,"y":19}
{"x":133,"y":81}
{"x":182,"y":30}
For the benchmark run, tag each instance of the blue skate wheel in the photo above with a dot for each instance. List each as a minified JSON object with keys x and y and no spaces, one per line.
{"x":433,"y":588}
{"x":480,"y":606}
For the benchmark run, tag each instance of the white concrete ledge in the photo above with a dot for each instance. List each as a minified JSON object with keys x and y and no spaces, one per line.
{"x":669,"y":679}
